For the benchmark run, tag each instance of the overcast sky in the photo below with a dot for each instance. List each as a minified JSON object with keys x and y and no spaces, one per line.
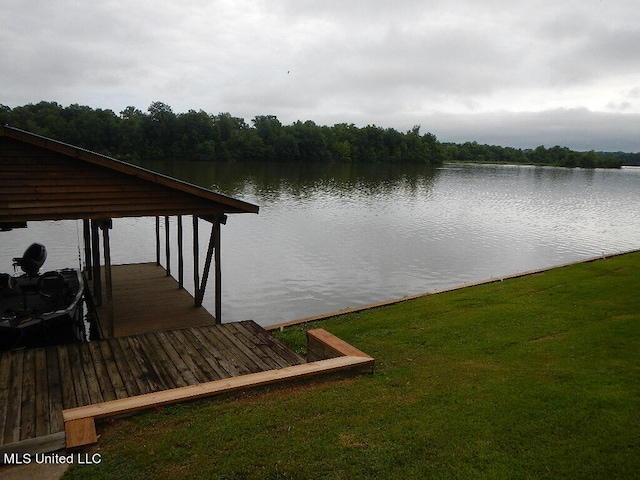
{"x":518,"y":73}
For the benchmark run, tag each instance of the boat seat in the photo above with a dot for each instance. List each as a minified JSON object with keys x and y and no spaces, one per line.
{"x":51,"y":283}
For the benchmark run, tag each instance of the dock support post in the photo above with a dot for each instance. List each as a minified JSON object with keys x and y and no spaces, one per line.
{"x":180,"y":255}
{"x":158,"y":241}
{"x":95,"y":250}
{"x":86,"y":233}
{"x":167,"y":245}
{"x":105,"y":226}
{"x":218,"y":271}
{"x":196,"y":255}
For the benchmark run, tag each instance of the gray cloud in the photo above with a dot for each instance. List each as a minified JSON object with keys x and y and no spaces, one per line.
{"x":463,"y":68}
{"x":579,"y":129}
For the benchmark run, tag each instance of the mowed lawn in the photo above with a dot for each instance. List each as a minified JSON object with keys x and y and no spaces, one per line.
{"x":529,"y":378}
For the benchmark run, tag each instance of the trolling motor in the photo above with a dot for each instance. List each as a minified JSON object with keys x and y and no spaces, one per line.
{"x":32,"y":259}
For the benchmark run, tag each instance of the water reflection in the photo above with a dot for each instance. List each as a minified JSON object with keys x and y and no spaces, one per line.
{"x":269,"y":181}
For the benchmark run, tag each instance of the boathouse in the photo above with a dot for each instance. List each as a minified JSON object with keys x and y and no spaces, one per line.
{"x":160,"y":345}
{"x":43,"y":179}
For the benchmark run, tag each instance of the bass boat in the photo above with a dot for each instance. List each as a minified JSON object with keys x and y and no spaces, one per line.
{"x":40,"y":309}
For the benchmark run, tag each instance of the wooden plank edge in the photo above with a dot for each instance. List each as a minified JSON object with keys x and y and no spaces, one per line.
{"x":81,"y":419}
{"x":322,"y":344}
{"x":43,"y":444}
{"x":81,"y":431}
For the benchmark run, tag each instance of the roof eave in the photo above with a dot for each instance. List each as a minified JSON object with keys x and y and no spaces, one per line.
{"x":234,"y":205}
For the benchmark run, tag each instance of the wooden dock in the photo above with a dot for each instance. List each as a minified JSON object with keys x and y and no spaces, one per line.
{"x":36,"y":385}
{"x":165,"y":350}
{"x":146,"y":299}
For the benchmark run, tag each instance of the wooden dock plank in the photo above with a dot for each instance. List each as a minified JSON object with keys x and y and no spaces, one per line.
{"x":146,"y":378}
{"x":13,"y":397}
{"x":75,"y":364}
{"x":210,"y":354}
{"x":253,"y":362}
{"x":256,"y":346}
{"x":127,"y":368}
{"x":196,"y":360}
{"x":115,"y":377}
{"x":55,"y":391}
{"x":274,"y":344}
{"x":5,"y":375}
{"x":105,"y":385}
{"x":179,"y":369}
{"x":90,"y":375}
{"x":42,"y":420}
{"x":28,"y":412}
{"x":67,"y":382}
{"x":178,"y":353}
{"x":14,"y":402}
{"x":279,"y":352}
{"x":224,"y":352}
{"x":159,"y":362}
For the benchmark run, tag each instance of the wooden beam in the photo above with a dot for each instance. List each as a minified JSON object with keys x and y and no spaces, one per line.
{"x":180,"y":255}
{"x":322,"y":344}
{"x":157,"y":240}
{"x":167,"y":245}
{"x":218,"y":271}
{"x":207,"y":268}
{"x":95,"y":249}
{"x":80,"y":432}
{"x":44,"y":444}
{"x":106,"y":225}
{"x":86,"y":234}
{"x":196,"y":261}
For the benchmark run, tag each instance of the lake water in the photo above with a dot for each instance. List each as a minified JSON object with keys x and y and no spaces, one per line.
{"x":329,"y":238}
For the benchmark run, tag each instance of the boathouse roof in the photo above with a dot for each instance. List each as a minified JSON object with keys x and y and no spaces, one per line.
{"x":44,"y":179}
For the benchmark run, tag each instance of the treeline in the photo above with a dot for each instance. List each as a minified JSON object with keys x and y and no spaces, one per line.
{"x":161,"y":134}
{"x":555,"y":156}
{"x":196,"y":135}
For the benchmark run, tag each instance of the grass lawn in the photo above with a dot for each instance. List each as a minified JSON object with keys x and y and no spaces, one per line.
{"x":534,"y":377}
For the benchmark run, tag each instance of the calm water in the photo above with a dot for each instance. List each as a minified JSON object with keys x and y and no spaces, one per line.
{"x":329,"y":238}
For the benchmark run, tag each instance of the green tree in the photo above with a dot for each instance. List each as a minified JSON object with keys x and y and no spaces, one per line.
{"x":160,"y":131}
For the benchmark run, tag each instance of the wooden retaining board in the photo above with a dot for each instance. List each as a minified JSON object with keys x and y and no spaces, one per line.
{"x":36,"y":385}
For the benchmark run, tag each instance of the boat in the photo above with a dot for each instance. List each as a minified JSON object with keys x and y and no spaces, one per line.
{"x":40,"y":309}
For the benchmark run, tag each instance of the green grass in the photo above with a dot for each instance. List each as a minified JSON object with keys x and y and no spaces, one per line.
{"x":535,"y":377}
